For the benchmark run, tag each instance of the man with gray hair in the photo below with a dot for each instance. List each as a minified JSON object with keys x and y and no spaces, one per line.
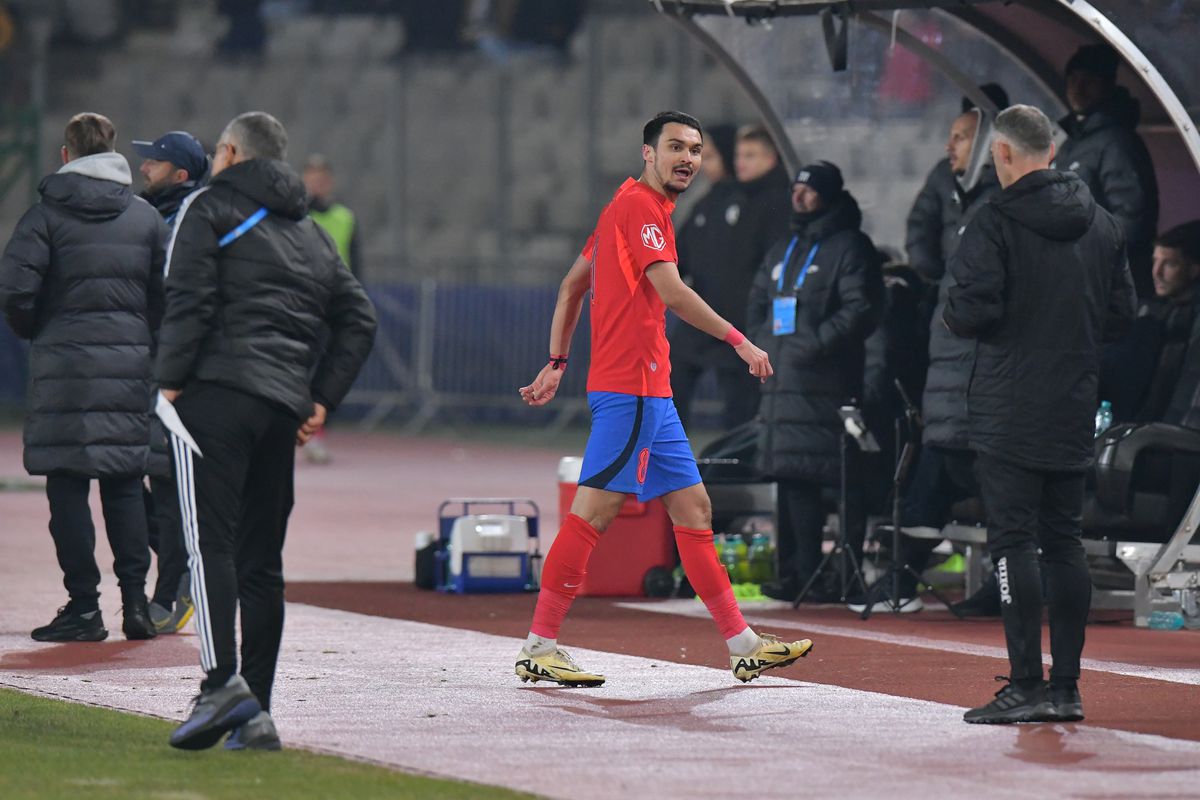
{"x":246,"y":373}
{"x":1041,"y":280}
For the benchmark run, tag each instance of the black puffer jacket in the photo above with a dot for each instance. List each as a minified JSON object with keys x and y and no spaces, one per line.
{"x":82,"y":278}
{"x":944,"y":403}
{"x":720,"y":248}
{"x":820,"y":366}
{"x":250,"y":315}
{"x":1041,"y":281}
{"x":932,"y":221}
{"x":1104,"y":149}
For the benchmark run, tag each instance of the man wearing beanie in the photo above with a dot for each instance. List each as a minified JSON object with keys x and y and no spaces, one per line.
{"x":720,"y":247}
{"x":1105,"y":150}
{"x":814,"y":302}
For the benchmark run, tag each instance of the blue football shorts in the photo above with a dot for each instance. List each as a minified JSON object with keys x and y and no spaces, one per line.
{"x":637,"y":446}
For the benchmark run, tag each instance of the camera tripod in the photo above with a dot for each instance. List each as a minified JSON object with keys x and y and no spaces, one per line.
{"x":887,"y":587}
{"x":854,"y":428}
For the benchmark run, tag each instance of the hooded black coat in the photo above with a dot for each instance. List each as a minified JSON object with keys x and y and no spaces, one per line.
{"x":720,"y":248}
{"x":819,"y":367}
{"x":944,"y":402}
{"x":1104,"y":149}
{"x":1041,"y":280}
{"x":82,"y":279}
{"x":251,"y":315}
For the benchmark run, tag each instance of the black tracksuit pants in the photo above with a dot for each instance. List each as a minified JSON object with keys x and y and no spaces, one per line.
{"x":1028,"y":509}
{"x":75,"y":535}
{"x":801,"y":521}
{"x":738,"y":389}
{"x":235,"y":500}
{"x":166,"y":539}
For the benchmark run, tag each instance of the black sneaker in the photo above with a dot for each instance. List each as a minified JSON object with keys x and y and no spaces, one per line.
{"x":215,"y":712}
{"x":1013,"y":704}
{"x":984,"y":603}
{"x":72,"y":626}
{"x":257,"y":734}
{"x":1068,"y":707}
{"x":136,"y":624}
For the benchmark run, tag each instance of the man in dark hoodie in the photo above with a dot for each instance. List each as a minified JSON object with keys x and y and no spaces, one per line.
{"x":82,"y":279}
{"x":1104,"y":149}
{"x":247,"y":372}
{"x":720,"y":247}
{"x":814,"y":302}
{"x":1041,"y":280}
{"x":943,"y":473}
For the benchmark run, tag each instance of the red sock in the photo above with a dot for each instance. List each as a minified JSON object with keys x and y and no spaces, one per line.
{"x":562,"y":574}
{"x":708,"y":577}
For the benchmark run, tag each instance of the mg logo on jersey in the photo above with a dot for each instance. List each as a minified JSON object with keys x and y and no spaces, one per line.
{"x":653,"y":238}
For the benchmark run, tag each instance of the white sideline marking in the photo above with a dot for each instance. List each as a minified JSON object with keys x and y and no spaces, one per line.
{"x":443,"y":701}
{"x":691,"y":608}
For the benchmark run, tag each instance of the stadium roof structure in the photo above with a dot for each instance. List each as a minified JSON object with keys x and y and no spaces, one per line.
{"x":784,"y":8}
{"x":1155,"y":42}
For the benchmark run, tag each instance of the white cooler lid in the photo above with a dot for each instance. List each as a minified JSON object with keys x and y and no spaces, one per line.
{"x":569,"y":468}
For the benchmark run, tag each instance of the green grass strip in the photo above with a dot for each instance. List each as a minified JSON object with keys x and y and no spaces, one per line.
{"x":55,"y":749}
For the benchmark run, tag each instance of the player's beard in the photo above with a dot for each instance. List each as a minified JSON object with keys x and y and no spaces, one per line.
{"x":673,"y":184}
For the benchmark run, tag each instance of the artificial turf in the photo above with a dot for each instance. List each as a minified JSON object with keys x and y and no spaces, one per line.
{"x":54,"y":749}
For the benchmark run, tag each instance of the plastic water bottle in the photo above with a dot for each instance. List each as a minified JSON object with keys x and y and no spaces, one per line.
{"x":760,"y":559}
{"x":1189,"y":604}
{"x":1166,"y":620}
{"x":741,"y":553}
{"x":729,"y":557}
{"x":1104,"y":418}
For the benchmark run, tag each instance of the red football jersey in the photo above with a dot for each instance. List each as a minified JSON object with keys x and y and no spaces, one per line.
{"x":630,"y":353}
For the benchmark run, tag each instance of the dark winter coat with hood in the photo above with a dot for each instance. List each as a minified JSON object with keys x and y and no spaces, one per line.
{"x":944,"y":403}
{"x":251,"y":315}
{"x":82,"y":279}
{"x":1104,"y":149}
{"x":1041,"y":281}
{"x":820,"y":366}
{"x":720,"y":248}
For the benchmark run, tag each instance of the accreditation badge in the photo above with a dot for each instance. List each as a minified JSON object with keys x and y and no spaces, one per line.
{"x":783,"y":322}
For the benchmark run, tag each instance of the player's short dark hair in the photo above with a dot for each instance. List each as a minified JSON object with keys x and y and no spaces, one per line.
{"x":654,"y":127}
{"x":757,"y":133}
{"x":88,"y":134}
{"x":1185,"y":238}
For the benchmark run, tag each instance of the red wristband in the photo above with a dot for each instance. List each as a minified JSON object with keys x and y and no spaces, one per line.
{"x":734,"y":337}
{"x":558,"y":362}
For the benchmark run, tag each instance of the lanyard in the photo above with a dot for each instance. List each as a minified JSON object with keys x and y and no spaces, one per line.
{"x":246,"y":225}
{"x":787,"y":259}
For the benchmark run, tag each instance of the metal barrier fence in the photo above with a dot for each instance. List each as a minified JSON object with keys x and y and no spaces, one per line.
{"x":442,"y":351}
{"x":466,"y":349}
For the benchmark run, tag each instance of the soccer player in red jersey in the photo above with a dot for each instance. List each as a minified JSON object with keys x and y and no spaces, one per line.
{"x":637,"y":445}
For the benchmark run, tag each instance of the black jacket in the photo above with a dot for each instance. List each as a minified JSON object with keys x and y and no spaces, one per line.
{"x":250,"y":315}
{"x":720,"y":248}
{"x":1041,"y":281}
{"x":820,"y":366}
{"x":167,"y":202}
{"x":1151,"y":375}
{"x":944,"y":403}
{"x":1104,"y":149}
{"x":82,"y":278}
{"x":933,"y":221}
